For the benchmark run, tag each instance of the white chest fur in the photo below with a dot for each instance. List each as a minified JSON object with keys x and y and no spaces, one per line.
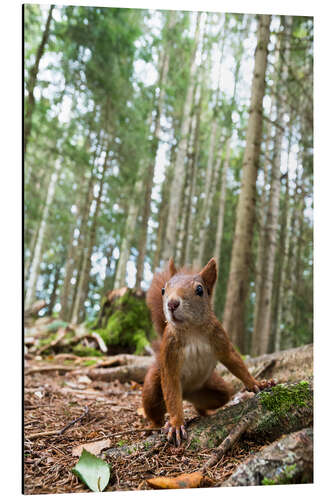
{"x":198,"y":364}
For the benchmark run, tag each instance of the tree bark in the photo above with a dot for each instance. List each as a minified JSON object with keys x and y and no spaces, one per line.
{"x":86,"y":266}
{"x":30,"y":105}
{"x":120,"y":273}
{"x":289,"y":460}
{"x":34,"y":270}
{"x":237,"y":289}
{"x":53,"y":296}
{"x":178,"y":178}
{"x":154,"y":148}
{"x":262,"y":323}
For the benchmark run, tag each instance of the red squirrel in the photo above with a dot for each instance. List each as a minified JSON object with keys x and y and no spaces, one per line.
{"x":193,"y":341}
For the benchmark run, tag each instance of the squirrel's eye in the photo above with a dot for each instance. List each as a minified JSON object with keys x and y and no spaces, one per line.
{"x":163,"y":291}
{"x":199,"y":290}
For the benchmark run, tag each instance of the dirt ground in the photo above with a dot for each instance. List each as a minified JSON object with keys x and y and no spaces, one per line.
{"x":53,"y":399}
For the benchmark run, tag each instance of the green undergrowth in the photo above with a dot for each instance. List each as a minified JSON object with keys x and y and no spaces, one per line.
{"x":128,"y":325}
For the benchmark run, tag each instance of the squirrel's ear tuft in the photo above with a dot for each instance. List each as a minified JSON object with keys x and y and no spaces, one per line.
{"x":172,"y":267}
{"x":209,"y":275}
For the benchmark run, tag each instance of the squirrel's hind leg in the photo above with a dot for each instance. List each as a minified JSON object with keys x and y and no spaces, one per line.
{"x":152,"y":397}
{"x":212,"y":395}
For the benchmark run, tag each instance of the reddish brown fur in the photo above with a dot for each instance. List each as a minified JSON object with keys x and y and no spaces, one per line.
{"x":193,"y":340}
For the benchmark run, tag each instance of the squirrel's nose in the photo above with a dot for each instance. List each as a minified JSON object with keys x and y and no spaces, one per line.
{"x":173,"y":304}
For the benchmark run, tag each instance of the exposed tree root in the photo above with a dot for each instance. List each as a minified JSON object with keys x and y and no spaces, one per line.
{"x":287,"y":460}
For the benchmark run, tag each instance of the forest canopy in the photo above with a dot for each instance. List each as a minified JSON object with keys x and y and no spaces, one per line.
{"x":150,"y":134}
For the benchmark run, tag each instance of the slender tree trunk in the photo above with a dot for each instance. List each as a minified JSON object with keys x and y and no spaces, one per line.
{"x":178,"y":178}
{"x":194,"y":154}
{"x":284,"y":249}
{"x":237,"y":289}
{"x":83,"y":283}
{"x":150,"y":171}
{"x":204,"y":216}
{"x":53,"y":296}
{"x":30,"y":104}
{"x":124,"y":253}
{"x":28,"y":259}
{"x":34,"y":270}
{"x":220,"y":216}
{"x":262,"y":322}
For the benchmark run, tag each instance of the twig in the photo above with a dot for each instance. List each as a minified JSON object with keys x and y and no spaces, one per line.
{"x":78,"y":419}
{"x":228,"y":442}
{"x":61,"y":431}
{"x":60,"y":335}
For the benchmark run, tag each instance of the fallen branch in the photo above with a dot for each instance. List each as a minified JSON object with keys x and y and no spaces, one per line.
{"x":49,"y":368}
{"x":230,"y":440}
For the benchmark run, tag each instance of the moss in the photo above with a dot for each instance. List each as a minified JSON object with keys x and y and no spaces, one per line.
{"x":281,"y":399}
{"x":195,"y":443}
{"x":129,"y":326}
{"x":285,"y":476}
{"x":47,"y":340}
{"x":122,"y":442}
{"x":81,"y":350}
{"x":268,"y":482}
{"x":89,"y":362}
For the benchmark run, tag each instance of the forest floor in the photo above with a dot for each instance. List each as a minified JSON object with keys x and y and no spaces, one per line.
{"x":110,"y":410}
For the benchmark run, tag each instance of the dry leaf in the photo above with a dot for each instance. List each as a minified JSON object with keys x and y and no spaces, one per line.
{"x":95,"y":447}
{"x":140,"y":411}
{"x":192,"y":480}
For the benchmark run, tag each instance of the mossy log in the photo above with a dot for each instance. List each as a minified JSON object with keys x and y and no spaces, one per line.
{"x":124,"y":321}
{"x":289,"y":460}
{"x":280,"y":410}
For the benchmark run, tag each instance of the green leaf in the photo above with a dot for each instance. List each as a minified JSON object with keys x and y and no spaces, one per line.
{"x":93,"y":471}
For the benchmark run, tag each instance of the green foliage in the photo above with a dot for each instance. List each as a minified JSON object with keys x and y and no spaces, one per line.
{"x":93,"y":471}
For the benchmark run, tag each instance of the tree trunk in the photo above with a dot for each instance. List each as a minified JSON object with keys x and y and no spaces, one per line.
{"x":262,"y":322}
{"x":86,"y":266}
{"x":34,"y":270}
{"x":283,"y":252}
{"x":120,"y":273}
{"x":194,"y":155}
{"x":178,"y":178}
{"x":32,"y":80}
{"x":150,"y":171}
{"x":237,"y":289}
{"x":220,"y":216}
{"x":53,"y":296}
{"x":212,"y":167}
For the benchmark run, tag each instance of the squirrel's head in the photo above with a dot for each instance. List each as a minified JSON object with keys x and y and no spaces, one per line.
{"x":187,"y":296}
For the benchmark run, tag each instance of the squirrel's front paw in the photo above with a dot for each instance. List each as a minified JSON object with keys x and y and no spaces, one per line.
{"x":175,"y":433}
{"x":260,"y":385}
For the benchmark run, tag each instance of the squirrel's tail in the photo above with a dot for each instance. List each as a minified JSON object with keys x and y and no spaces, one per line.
{"x":155,"y":302}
